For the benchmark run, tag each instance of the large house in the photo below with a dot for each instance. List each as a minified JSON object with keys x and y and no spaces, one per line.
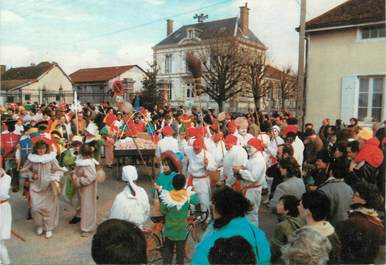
{"x":170,"y":55}
{"x":43,"y":83}
{"x":347,"y":63}
{"x":94,"y":84}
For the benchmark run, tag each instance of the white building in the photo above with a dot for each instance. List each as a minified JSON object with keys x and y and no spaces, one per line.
{"x":42,"y":83}
{"x":94,"y":84}
{"x":346,"y":63}
{"x":170,"y":55}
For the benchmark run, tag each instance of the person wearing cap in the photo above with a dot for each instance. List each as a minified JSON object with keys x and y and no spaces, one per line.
{"x":367,"y":162}
{"x":252,"y":176}
{"x":93,"y":139}
{"x":84,"y":178}
{"x":236,"y":156}
{"x":199,"y":161}
{"x":131,"y":204}
{"x":9,"y":142}
{"x":45,"y":171}
{"x":6,"y":215}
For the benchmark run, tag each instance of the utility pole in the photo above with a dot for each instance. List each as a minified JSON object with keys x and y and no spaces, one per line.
{"x":300,"y":100}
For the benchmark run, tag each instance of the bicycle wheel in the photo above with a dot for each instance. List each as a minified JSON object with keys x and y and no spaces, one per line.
{"x":190,"y":245}
{"x":191,"y":241}
{"x":154,"y":247}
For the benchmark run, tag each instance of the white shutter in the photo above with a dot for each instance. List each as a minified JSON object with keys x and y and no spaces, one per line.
{"x":349,"y":96}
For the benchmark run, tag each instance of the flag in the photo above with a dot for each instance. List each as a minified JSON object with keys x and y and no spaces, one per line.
{"x":109,"y":119}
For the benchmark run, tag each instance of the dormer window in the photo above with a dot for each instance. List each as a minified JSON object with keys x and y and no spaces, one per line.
{"x":191,"y":33}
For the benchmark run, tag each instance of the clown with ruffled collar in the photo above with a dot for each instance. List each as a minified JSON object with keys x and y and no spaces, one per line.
{"x":45,"y":174}
{"x":175,"y":206}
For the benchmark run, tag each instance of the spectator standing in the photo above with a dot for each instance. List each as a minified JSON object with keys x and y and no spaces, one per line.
{"x":230,"y":208}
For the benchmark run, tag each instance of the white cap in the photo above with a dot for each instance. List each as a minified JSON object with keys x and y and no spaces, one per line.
{"x":92,"y":129}
{"x":129,"y":173}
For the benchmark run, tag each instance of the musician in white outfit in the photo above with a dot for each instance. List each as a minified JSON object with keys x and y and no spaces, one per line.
{"x":252,"y":176}
{"x":199,"y":161}
{"x":235,"y":157}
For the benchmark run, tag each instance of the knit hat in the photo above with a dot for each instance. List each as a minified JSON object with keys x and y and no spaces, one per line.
{"x":232,"y":126}
{"x":198,"y":144}
{"x":231,"y":139}
{"x":365,"y":134}
{"x":190,"y":132}
{"x":256,"y":143}
{"x":289,"y":128}
{"x":167,"y":131}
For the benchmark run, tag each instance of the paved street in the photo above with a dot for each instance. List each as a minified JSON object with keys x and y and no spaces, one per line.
{"x":66,"y":246}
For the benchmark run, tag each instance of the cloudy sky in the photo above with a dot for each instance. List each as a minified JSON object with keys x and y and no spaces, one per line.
{"x":92,"y":33}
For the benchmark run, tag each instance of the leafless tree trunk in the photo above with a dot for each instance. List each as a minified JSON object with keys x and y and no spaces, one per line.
{"x":256,"y":77}
{"x":223,"y":71}
{"x":287,"y":86}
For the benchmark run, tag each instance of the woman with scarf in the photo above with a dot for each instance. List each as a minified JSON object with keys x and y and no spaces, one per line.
{"x":45,"y":174}
{"x":132,"y":204}
{"x":84,"y":178}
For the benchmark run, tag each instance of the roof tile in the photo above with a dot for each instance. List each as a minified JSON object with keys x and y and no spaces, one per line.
{"x":100,"y":74}
{"x":351,"y":12}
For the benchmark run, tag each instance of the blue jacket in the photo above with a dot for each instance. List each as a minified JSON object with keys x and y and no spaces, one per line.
{"x":237,"y":227}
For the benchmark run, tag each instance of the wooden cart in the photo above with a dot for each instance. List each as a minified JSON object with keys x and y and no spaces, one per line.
{"x":133,"y":157}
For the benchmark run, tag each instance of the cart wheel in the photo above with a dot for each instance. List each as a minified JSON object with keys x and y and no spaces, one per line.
{"x":154,"y":247}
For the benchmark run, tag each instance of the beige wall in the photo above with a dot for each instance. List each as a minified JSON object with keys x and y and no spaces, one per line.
{"x":333,"y":55}
{"x":51,"y":81}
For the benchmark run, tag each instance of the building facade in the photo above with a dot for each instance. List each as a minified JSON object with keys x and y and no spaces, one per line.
{"x":94,"y":84}
{"x":346,"y":63}
{"x":170,"y":56}
{"x":42,"y":83}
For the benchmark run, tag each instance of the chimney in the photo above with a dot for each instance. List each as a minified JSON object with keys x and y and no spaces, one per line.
{"x":244,"y":18}
{"x":169,"y":27}
{"x":2,"y":69}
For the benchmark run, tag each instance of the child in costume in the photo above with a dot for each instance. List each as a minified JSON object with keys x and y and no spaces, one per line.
{"x":46,"y":173}
{"x":85,"y":180}
{"x":175,"y":206}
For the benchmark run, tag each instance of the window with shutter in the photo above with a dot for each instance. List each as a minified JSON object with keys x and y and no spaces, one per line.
{"x":371,"y":95}
{"x":349,"y":98}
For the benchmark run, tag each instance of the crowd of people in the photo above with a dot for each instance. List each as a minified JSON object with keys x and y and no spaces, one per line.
{"x":325,"y":186}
